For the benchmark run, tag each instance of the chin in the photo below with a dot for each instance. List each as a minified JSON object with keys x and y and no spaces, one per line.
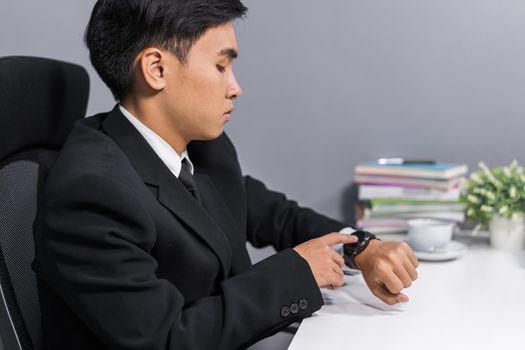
{"x":210,"y":135}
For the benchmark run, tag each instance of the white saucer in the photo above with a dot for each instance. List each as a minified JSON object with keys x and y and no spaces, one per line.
{"x":451,"y":251}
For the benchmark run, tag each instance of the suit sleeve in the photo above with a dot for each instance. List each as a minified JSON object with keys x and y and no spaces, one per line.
{"x":274,"y":219}
{"x":97,"y":239}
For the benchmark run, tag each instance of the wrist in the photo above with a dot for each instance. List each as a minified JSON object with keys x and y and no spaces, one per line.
{"x":360,"y":259}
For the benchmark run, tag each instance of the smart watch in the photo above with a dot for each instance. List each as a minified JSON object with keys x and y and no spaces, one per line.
{"x":351,"y":250}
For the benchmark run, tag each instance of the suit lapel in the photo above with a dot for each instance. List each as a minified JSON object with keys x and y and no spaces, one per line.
{"x":216,"y":207}
{"x":172,"y":193}
{"x":181,"y":203}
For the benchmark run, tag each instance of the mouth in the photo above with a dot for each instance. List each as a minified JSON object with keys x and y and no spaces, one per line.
{"x":227,"y":114}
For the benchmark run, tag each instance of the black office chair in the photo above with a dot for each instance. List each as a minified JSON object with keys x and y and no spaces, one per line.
{"x":40,"y":99}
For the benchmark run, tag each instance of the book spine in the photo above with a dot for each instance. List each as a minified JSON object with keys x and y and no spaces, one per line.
{"x":367,"y":192}
{"x":415,"y":208}
{"x":411,"y":171}
{"x":408,"y":183}
{"x":445,"y":216}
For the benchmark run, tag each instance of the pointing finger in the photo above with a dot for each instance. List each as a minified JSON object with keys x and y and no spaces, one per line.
{"x":336,"y":238}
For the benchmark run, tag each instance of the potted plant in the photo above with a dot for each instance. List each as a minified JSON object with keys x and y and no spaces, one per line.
{"x":495,"y":200}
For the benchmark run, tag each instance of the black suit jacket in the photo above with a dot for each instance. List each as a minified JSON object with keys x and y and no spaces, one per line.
{"x":127,"y":259}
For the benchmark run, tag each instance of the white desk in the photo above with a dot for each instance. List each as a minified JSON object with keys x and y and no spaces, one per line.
{"x":475,"y":302}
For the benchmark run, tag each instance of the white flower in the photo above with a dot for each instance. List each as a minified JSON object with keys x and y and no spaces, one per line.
{"x":476,"y":178}
{"x":496,"y":182}
{"x":485,"y":168}
{"x":498,"y":191}
{"x":473,"y":199}
{"x":487,"y":208}
{"x":489,"y":175}
{"x":490,"y":195}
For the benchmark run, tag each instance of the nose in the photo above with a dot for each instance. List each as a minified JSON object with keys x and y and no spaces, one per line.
{"x":234,"y":89}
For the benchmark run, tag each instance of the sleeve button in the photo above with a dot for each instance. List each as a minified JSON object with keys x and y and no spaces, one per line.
{"x":285,"y":311}
{"x":294,"y":308}
{"x":303,"y":304}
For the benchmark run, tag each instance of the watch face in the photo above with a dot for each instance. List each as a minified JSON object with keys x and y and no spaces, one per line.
{"x":362,"y":241}
{"x":351,"y":250}
{"x":360,"y":237}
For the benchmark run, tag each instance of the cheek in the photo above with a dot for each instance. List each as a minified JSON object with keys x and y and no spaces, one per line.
{"x":214,"y":91}
{"x":209,"y":84}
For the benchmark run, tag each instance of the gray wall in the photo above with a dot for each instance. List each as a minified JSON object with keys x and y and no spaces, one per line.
{"x":329,"y":83}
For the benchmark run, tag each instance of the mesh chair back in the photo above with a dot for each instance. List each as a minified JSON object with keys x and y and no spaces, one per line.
{"x":40,"y":99}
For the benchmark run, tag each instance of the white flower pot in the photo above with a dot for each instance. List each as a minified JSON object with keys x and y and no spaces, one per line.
{"x":507,"y":233}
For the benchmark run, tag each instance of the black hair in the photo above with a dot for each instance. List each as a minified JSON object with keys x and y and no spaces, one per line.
{"x":119,"y":30}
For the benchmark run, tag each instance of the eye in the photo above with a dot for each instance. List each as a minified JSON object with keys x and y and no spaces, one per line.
{"x":220,"y":68}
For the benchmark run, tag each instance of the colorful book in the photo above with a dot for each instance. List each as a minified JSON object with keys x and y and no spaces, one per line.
{"x":441,"y":171}
{"x":407,"y":182}
{"x":402,"y":201}
{"x":453,"y":216}
{"x":415,"y":208}
{"x":367,"y":192}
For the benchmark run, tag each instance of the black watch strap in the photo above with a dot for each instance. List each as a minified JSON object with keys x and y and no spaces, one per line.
{"x":351,"y":250}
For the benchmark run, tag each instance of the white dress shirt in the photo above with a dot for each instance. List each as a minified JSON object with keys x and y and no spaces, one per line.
{"x":165,"y":152}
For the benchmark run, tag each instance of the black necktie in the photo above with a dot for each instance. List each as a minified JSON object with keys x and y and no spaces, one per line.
{"x":187,"y":180}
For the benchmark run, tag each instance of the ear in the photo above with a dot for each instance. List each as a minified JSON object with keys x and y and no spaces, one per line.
{"x":151,"y":64}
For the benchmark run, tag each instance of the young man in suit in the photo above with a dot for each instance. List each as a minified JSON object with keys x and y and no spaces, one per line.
{"x":143,"y":223}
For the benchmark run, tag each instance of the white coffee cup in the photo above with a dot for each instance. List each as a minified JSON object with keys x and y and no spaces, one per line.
{"x":427,"y":235}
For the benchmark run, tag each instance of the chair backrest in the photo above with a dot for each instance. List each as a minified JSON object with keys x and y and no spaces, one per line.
{"x":40,"y":99}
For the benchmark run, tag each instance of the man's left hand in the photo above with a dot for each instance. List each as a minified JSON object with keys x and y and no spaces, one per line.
{"x":388,"y":268}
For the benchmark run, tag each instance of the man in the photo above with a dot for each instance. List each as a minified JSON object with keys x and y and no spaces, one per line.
{"x":143,"y":223}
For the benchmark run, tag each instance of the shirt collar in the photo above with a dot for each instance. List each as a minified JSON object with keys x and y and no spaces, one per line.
{"x":165,"y":152}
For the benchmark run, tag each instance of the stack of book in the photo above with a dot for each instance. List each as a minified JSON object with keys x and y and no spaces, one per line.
{"x":392,"y":194}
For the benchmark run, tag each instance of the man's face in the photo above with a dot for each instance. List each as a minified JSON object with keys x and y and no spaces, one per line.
{"x":198,"y":97}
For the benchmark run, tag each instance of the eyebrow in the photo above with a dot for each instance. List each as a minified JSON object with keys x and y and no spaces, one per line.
{"x":231,"y":53}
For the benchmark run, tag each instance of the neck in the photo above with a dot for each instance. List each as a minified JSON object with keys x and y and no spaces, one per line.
{"x":153,"y":117}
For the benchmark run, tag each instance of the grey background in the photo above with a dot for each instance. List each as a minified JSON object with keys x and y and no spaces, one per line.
{"x":327,"y":84}
{"x":330,"y":83}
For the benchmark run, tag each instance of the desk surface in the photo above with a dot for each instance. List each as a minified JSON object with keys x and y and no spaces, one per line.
{"x":474,"y":302}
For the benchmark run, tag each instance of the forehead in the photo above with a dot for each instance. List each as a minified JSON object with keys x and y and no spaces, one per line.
{"x":215,"y":41}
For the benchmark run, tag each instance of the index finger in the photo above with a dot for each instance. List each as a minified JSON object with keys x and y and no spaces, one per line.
{"x":337,"y":237}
